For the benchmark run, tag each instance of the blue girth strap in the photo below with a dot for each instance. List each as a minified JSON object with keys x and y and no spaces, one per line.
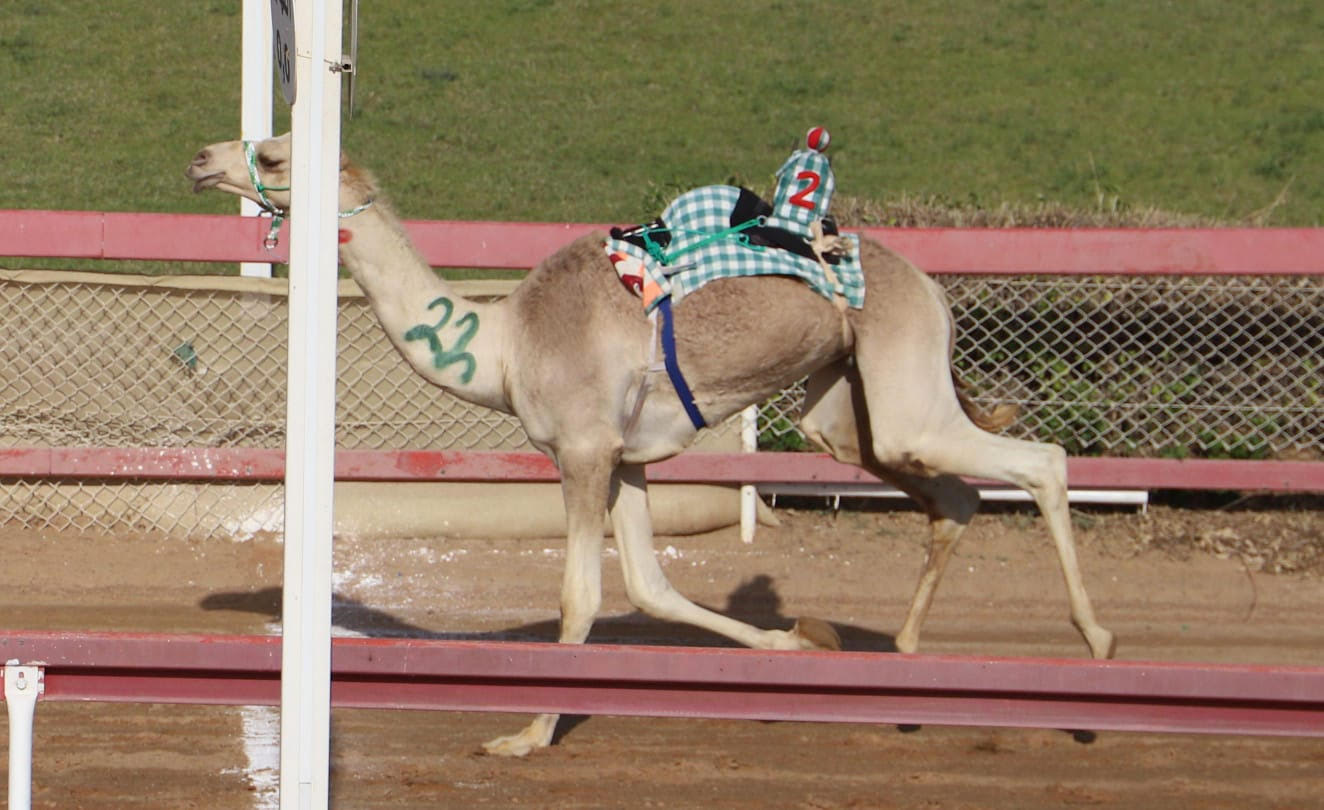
{"x":673,"y":368}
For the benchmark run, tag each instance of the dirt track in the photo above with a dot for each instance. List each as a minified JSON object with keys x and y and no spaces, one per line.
{"x":1003,"y":596}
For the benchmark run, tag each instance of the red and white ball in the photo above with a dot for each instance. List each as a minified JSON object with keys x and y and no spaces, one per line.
{"x":818,"y":139}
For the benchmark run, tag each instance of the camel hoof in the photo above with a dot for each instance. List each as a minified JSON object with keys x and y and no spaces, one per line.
{"x":537,"y":734}
{"x":817,"y":633}
{"x":513,"y":746}
{"x":1103,"y":644}
{"x":905,"y":646}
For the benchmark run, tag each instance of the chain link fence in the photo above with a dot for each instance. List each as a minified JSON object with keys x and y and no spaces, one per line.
{"x":1147,"y":366}
{"x":1189,"y":366}
{"x":111,"y":361}
{"x":108,"y":360}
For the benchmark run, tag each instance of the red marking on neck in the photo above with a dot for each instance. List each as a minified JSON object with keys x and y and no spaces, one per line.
{"x":345,"y":236}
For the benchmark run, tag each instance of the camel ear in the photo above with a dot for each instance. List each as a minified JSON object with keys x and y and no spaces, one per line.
{"x":344,"y":161}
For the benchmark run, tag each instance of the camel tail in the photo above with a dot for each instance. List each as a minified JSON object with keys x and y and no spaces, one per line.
{"x":1000,"y":417}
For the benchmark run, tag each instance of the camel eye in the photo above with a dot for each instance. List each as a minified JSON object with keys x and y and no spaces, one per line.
{"x":269,"y":163}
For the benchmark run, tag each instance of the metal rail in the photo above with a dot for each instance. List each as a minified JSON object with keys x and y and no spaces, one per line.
{"x":690,"y":682}
{"x":255,"y":464}
{"x":521,"y":245}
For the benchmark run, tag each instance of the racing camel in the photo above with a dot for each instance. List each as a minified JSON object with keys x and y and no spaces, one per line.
{"x":571,"y":353}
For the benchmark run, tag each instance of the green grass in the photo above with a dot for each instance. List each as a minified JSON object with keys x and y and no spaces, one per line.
{"x":599,"y":111}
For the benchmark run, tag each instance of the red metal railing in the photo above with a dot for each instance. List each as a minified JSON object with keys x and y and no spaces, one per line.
{"x":520,"y":245}
{"x":253,"y":464}
{"x":690,"y":682}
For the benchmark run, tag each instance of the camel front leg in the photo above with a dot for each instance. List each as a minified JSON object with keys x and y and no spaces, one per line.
{"x":648,"y":588}
{"x":584,"y":487}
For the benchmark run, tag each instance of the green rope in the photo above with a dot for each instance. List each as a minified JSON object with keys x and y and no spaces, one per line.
{"x":278,"y":213}
{"x":250,"y":156}
{"x":735,"y":232}
{"x":357,"y":210}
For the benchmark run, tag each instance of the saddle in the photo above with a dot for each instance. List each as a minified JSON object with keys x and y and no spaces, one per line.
{"x":718,"y":232}
{"x":748,"y":218}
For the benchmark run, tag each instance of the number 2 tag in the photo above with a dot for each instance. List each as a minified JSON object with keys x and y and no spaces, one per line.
{"x":801,"y":197}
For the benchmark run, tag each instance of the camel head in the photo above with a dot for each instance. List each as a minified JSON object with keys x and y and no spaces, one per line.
{"x":260,"y":171}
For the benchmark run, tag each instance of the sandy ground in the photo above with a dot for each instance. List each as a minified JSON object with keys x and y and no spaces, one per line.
{"x":1157,"y":580}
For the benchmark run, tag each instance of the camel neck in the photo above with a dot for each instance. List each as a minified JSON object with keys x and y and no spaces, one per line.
{"x":451,"y":341}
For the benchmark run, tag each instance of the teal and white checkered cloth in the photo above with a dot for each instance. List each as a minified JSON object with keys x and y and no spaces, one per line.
{"x":804,"y":192}
{"x":702,"y":213}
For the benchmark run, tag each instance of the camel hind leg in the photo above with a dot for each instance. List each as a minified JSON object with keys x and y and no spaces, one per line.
{"x":833,"y":399}
{"x":917,"y":425}
{"x":1039,"y":469}
{"x":950,"y":504}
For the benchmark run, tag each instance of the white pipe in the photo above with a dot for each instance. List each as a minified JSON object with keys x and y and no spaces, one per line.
{"x":22,"y":685}
{"x":749,"y":496}
{"x":255,"y":99}
{"x":1097,"y":496}
{"x":310,"y":417}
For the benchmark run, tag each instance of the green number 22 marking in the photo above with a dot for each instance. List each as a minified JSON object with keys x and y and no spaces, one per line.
{"x":441,"y":356}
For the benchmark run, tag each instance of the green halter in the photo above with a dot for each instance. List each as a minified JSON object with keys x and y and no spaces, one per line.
{"x":277,"y":213}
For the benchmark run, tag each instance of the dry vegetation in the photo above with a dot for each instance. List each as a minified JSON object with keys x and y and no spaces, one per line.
{"x":1276,"y":535}
{"x":934,"y":212}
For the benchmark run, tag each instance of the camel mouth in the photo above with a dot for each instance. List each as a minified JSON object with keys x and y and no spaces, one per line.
{"x":206,"y":181}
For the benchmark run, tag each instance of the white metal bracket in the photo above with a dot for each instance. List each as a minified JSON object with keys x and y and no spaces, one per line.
{"x":23,"y":684}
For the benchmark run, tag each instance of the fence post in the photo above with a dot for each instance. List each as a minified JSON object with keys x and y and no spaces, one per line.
{"x":305,"y":697}
{"x":255,"y":99}
{"x":749,"y":494}
{"x":22,"y":686}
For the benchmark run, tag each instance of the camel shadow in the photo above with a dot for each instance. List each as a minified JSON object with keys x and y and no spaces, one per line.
{"x":346,"y":613}
{"x":754,"y":601}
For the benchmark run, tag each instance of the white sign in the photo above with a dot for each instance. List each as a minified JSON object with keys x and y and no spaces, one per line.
{"x":282,"y":43}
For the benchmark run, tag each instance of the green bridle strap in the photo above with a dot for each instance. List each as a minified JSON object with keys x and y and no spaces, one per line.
{"x":734,"y":233}
{"x":250,"y":157}
{"x":278,"y":213}
{"x":356,"y":210}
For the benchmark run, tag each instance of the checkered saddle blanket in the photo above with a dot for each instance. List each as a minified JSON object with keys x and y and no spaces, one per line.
{"x":717,"y":232}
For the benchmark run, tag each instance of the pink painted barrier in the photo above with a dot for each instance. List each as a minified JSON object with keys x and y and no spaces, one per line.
{"x":250,"y":464}
{"x":690,"y":682}
{"x":520,"y":245}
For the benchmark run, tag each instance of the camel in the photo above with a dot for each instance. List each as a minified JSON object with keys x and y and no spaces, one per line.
{"x":569,"y":351}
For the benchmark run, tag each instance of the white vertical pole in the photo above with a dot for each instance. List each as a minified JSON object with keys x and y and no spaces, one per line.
{"x":749,"y":495}
{"x":310,"y":426}
{"x":255,"y":99}
{"x":22,"y":686}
